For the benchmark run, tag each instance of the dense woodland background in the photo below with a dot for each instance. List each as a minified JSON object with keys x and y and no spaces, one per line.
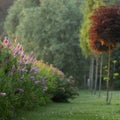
{"x":57,"y":30}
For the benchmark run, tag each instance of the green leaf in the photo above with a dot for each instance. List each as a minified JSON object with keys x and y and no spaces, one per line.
{"x":105,"y":78}
{"x":105,"y":67}
{"x":116,"y":74}
{"x":114,"y":61}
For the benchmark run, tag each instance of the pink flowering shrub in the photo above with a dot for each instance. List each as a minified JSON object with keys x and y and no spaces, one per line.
{"x":26,"y":82}
{"x":60,"y":88}
{"x":21,"y":86}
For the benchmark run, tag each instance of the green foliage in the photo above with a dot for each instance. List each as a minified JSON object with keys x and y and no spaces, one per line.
{"x":65,"y":90}
{"x":60,"y":88}
{"x":17,"y":89}
{"x":4,"y":6}
{"x":117,"y":1}
{"x":26,"y":83}
{"x":53,"y":28}
{"x":7,"y":109}
{"x":116,"y":74}
{"x":105,"y":78}
{"x":85,"y":25}
{"x":114,"y":61}
{"x":12,"y":20}
{"x":115,"y":68}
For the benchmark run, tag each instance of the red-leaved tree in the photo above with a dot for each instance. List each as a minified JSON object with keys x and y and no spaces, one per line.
{"x":104,"y":32}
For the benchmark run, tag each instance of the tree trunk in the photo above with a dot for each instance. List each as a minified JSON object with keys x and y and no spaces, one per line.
{"x":108,"y":98}
{"x":96,"y":74}
{"x":85,"y":82}
{"x":91,"y":72}
{"x":100,"y":80}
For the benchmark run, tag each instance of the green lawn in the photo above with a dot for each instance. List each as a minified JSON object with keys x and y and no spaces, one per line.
{"x":84,"y":107}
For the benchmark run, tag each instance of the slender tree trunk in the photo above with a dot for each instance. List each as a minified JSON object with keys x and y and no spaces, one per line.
{"x":90,"y":68}
{"x":85,"y":82}
{"x":108,"y":100}
{"x":91,"y":72}
{"x":100,"y":80}
{"x":96,"y":74}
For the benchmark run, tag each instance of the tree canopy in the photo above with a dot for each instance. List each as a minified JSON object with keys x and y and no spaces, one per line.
{"x":84,"y":35}
{"x":105,"y":28}
{"x":51,"y":29}
{"x":4,"y":5}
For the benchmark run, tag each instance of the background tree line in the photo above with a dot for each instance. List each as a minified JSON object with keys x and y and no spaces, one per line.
{"x":57,"y":30}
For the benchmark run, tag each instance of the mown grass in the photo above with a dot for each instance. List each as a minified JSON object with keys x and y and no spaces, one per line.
{"x":85,"y":107}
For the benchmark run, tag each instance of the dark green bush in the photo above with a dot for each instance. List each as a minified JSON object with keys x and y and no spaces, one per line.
{"x":65,"y":90}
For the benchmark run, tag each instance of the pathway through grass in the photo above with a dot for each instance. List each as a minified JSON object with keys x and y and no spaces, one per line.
{"x":84,"y":107}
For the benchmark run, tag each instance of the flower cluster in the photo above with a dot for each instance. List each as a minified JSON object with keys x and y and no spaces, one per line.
{"x":25,"y":80}
{"x":6,"y":42}
{"x":18,"y":51}
{"x":24,"y":64}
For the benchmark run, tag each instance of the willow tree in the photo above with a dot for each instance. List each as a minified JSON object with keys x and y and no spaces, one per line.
{"x":4,"y":6}
{"x":104,"y":33}
{"x":51,"y":29}
{"x":14,"y":13}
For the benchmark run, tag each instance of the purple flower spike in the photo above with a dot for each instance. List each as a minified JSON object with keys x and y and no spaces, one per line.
{"x":31,"y":54}
{"x":33,"y":70}
{"x":32,"y":78}
{"x":37,"y":82}
{"x":20,"y":63}
{"x":22,"y":55}
{"x":15,"y":51}
{"x":26,"y":63}
{"x":19,"y":90}
{"x":13,"y":69}
{"x":19,"y":47}
{"x":6,"y":42}
{"x":43,"y":81}
{"x":24,"y":70}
